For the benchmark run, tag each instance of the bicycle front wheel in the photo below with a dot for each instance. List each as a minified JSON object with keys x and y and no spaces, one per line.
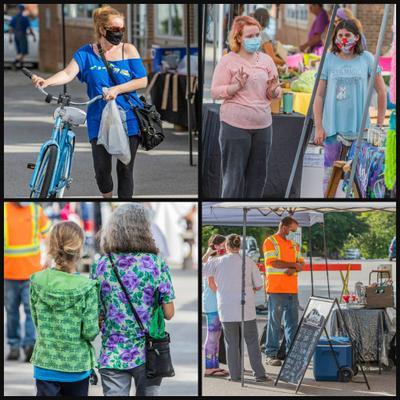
{"x":45,"y":173}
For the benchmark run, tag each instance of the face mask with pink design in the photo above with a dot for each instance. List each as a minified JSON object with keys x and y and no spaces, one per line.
{"x":346,"y":44}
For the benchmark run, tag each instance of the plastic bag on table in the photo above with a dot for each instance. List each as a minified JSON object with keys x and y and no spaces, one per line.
{"x":112,"y":134}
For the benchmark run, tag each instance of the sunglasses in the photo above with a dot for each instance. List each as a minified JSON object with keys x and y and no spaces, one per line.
{"x":115,"y":29}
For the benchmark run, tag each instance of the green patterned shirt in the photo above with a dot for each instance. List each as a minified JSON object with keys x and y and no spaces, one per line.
{"x":65,"y":312}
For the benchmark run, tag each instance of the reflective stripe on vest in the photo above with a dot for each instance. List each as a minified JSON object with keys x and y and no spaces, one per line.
{"x":27,"y":249}
{"x":277,"y":253}
{"x":277,"y":280}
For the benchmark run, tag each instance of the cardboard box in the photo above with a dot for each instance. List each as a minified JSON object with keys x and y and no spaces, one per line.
{"x":379,"y":296}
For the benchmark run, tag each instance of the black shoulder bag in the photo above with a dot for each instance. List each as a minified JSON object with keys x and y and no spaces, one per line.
{"x":150,"y":124}
{"x":158,"y":356}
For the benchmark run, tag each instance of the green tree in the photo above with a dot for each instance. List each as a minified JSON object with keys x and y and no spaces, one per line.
{"x":375,"y":241}
{"x":370,"y":232}
{"x":338,"y":227}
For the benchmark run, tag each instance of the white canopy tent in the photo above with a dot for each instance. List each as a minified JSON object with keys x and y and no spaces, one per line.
{"x":250,"y":212}
{"x":215,"y":214}
{"x":291,"y":207}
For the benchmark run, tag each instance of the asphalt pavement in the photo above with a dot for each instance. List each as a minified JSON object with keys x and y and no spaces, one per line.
{"x":163,"y":172}
{"x":183,"y":328}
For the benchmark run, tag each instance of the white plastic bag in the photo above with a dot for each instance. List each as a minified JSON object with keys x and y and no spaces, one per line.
{"x":112,"y":134}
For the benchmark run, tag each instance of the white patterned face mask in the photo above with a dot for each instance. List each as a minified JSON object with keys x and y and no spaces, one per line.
{"x":346,"y":44}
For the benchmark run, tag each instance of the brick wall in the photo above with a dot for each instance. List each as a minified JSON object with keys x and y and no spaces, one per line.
{"x":370,"y":16}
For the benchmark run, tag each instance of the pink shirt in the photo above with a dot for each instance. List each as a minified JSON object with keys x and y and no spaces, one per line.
{"x":249,"y":108}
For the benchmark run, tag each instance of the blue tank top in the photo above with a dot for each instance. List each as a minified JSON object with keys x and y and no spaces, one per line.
{"x":93,"y":72}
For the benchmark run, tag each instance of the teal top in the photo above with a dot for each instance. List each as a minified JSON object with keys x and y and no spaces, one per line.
{"x":44,"y":374}
{"x":346,"y":93}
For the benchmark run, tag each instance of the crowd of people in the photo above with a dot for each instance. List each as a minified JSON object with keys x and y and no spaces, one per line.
{"x":222,"y":300}
{"x":65,"y":311}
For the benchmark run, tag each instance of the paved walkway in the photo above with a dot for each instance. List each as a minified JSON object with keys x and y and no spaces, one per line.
{"x":162,"y":172}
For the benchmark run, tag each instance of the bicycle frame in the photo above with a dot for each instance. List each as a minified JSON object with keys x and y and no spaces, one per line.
{"x":63,"y":138}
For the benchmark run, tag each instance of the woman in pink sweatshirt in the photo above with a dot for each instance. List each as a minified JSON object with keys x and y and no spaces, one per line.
{"x":246,"y":80}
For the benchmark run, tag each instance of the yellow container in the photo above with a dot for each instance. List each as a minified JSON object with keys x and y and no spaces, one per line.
{"x":275,"y":106}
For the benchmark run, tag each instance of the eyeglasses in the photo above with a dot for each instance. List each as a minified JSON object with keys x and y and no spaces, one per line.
{"x":115,"y":28}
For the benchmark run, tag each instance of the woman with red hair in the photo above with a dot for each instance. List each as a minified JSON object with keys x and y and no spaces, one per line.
{"x":246,"y":80}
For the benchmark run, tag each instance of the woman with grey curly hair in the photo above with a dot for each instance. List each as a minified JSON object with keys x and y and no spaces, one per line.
{"x":126,"y":239}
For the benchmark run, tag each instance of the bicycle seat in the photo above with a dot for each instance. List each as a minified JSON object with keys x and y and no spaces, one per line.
{"x":72,"y":115}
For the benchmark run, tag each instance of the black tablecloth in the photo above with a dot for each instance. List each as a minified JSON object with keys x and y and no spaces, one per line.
{"x":371,"y":331}
{"x":179,"y":117}
{"x":286,"y":135}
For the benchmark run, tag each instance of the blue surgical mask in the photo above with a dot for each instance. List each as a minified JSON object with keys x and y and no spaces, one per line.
{"x":251,"y":45}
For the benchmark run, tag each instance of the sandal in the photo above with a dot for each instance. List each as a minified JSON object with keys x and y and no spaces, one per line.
{"x":217,"y":373}
{"x":223,"y":370}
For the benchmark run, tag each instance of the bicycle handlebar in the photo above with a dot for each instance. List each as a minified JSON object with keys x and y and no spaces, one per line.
{"x":57,"y":99}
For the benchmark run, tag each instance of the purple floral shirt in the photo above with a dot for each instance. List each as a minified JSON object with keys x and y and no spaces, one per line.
{"x":141,"y":273}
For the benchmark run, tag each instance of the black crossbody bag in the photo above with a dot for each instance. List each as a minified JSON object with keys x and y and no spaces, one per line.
{"x":150,"y":124}
{"x":158,"y":356}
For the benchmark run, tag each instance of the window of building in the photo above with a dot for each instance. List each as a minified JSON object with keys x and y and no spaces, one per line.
{"x":169,"y":20}
{"x":79,"y":10}
{"x":296,"y":14}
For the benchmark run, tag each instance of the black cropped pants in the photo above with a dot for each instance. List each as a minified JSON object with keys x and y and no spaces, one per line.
{"x":102,"y":162}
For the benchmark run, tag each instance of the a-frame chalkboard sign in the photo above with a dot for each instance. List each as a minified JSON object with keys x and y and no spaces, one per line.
{"x":305,"y":341}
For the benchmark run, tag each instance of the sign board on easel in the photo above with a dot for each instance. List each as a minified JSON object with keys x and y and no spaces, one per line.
{"x":305,"y":341}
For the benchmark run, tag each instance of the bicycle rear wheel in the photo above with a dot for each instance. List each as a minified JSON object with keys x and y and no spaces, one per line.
{"x":45,"y":173}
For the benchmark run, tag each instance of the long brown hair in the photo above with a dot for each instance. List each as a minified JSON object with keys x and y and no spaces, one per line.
{"x":351,"y":26}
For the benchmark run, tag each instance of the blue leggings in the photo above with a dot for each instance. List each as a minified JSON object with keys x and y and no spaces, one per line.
{"x":211,"y":346}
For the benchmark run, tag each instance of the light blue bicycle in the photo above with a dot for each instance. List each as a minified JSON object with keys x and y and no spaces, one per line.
{"x":52,"y":170}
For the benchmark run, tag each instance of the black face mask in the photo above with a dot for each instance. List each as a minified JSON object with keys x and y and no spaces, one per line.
{"x":114,"y":37}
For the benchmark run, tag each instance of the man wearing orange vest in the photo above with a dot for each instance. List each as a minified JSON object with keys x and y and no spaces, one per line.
{"x":282,"y":263}
{"x":24,"y":225}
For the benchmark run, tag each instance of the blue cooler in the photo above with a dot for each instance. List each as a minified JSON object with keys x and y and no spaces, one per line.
{"x":325,"y":368}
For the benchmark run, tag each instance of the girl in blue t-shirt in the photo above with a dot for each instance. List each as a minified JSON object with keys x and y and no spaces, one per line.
{"x":342,"y":92}
{"x":129,"y":72}
{"x":216,"y":248}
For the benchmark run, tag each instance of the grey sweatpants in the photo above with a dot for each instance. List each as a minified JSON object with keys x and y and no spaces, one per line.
{"x":117,"y":382}
{"x":244,"y":160}
{"x":232,"y":338}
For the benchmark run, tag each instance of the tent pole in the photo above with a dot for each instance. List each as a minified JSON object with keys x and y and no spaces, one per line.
{"x":308,"y":122}
{"x":220,"y":31}
{"x":311,"y":270}
{"x":215,"y":38}
{"x":243,"y":298}
{"x":63,"y":40}
{"x":203,"y":18}
{"x":188,"y":86}
{"x":326,"y":258}
{"x":371,"y":84}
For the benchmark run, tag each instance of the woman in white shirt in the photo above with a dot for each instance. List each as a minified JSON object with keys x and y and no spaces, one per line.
{"x":227,"y":274}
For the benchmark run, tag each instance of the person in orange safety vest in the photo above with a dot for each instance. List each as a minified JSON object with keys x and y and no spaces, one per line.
{"x":24,"y":225}
{"x":283,"y":261}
